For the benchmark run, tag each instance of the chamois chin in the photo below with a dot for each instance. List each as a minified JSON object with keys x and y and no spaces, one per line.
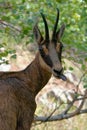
{"x":18,"y":89}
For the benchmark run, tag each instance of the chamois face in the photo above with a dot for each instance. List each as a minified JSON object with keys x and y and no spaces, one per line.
{"x":51,"y":48}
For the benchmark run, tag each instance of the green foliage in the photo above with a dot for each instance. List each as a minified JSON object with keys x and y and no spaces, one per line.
{"x":20,"y":16}
{"x":85,"y":81}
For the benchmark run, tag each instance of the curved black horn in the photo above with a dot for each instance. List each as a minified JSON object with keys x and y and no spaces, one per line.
{"x":55,"y":26}
{"x":46,"y":27}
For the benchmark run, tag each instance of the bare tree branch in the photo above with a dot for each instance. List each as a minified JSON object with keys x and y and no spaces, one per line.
{"x":67,"y":113}
{"x":80,"y":80}
{"x":10,"y":25}
{"x":60,"y":116}
{"x":8,"y":5}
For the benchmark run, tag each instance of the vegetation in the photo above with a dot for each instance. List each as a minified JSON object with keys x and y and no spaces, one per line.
{"x":17,"y":19}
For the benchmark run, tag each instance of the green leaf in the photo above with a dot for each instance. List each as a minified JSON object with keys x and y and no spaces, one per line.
{"x":71,"y":68}
{"x":83,"y":67}
{"x":85,"y":86}
{"x":14,"y":56}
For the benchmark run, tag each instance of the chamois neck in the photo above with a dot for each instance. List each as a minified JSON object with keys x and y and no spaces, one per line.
{"x":38,"y":74}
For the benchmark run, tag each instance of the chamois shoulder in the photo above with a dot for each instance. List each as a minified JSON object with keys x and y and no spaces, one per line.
{"x":4,"y":75}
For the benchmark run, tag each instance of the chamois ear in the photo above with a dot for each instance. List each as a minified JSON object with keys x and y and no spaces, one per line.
{"x":60,"y":32}
{"x":37,"y":34}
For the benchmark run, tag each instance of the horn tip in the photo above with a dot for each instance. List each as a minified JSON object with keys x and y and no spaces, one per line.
{"x":57,"y":9}
{"x":42,"y":14}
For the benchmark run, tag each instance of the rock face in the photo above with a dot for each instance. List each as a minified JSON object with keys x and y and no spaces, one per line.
{"x":61,"y":91}
{"x":5,"y":67}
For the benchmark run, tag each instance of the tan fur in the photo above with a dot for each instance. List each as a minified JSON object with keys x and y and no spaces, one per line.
{"x":45,"y":50}
{"x":58,"y":47}
{"x":17,"y":95}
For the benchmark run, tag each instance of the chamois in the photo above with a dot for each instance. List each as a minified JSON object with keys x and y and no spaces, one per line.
{"x":18,"y":89}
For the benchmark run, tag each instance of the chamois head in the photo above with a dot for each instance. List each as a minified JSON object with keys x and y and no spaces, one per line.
{"x":51,"y":48}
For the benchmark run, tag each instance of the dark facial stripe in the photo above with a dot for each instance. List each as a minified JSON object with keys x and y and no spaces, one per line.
{"x":45,"y":57}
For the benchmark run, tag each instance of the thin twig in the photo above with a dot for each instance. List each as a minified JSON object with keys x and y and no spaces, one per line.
{"x":9,"y":25}
{"x":66,"y":114}
{"x":80,"y":80}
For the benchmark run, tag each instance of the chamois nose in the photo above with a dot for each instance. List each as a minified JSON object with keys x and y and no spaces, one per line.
{"x":59,"y":74}
{"x":58,"y":71}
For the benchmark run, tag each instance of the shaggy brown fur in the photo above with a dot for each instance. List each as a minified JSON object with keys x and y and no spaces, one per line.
{"x":17,"y":95}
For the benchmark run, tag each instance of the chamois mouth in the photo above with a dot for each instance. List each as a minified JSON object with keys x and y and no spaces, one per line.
{"x":59,"y":75}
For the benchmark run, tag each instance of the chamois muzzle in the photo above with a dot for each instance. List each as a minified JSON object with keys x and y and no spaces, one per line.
{"x":59,"y":74}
